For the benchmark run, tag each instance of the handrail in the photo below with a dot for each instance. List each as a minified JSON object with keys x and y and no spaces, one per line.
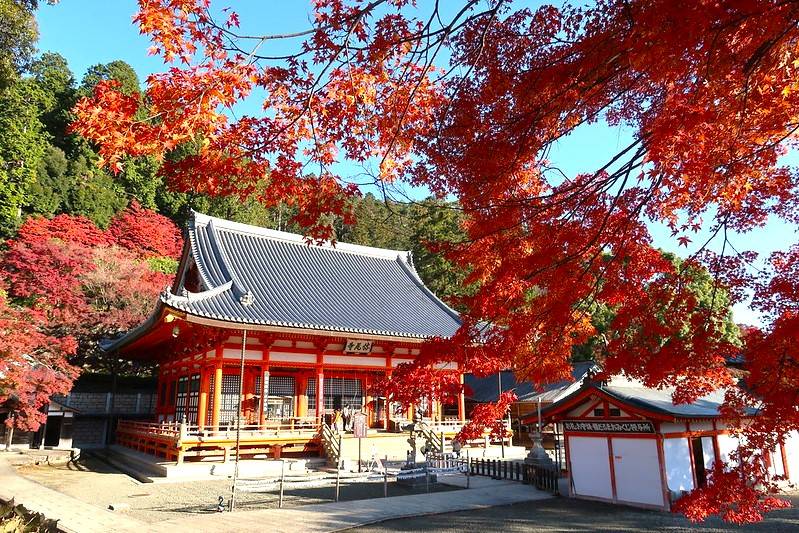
{"x":331,"y":444}
{"x":181,"y":431}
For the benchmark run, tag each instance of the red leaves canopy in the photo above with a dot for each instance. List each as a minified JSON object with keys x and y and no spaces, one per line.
{"x":467,"y":103}
{"x":73,"y":283}
{"x":33,"y":366}
{"x":145,"y":233}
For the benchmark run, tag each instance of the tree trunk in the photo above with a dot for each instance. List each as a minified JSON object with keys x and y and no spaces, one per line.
{"x":9,"y":432}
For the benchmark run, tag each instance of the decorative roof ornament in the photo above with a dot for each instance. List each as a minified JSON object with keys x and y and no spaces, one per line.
{"x":247,"y":298}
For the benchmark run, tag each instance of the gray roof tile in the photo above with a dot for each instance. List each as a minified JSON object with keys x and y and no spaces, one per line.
{"x":346,"y":288}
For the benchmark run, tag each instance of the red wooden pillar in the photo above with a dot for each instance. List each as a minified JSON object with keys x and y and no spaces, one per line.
{"x":320,"y":395}
{"x":202,"y":403}
{"x":264,"y":392}
{"x":386,"y":407}
{"x":217,"y":405}
{"x":461,"y":403}
{"x":301,"y":396}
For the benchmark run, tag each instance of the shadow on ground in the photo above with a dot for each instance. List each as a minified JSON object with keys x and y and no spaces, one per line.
{"x":562,"y":514}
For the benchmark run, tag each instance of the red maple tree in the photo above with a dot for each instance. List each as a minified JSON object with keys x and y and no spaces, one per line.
{"x":467,"y":102}
{"x":72,"y":284}
{"x":33,"y":366}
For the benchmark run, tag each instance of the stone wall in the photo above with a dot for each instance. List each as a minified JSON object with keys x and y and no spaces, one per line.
{"x":96,"y":403}
{"x":97,"y":414}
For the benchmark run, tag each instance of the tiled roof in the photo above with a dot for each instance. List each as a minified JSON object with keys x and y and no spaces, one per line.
{"x":660,"y":400}
{"x":485,"y":389}
{"x":289,"y":283}
{"x":635,"y":394}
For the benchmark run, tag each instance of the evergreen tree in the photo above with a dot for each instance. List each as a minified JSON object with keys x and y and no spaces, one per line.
{"x":22,"y":144}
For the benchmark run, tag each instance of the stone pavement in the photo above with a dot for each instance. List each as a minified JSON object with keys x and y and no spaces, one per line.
{"x":73,"y":515}
{"x":77,"y":516}
{"x":484,"y":492}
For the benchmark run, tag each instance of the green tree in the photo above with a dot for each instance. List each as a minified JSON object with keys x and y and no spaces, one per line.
{"x":53,"y":76}
{"x":46,"y":194}
{"x":700,"y":283}
{"x":22,"y":143}
{"x":115,"y":70}
{"x":92,"y":192}
{"x":436,"y":225}
{"x":18,"y":35}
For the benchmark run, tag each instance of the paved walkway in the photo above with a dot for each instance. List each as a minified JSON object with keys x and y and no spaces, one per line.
{"x":484,"y":492}
{"x":73,"y":515}
{"x":79,"y":517}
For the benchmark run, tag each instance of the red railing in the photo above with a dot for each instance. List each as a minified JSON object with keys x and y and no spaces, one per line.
{"x":180,"y":432}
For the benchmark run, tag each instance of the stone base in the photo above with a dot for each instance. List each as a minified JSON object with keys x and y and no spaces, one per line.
{"x":417,"y":481}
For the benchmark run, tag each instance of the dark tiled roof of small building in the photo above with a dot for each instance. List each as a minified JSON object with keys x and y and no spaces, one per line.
{"x":289,"y":283}
{"x":485,"y":389}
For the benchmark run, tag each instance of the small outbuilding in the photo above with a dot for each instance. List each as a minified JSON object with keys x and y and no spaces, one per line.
{"x":626,"y":443}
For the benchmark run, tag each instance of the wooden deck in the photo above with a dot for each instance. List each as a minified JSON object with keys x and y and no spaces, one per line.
{"x":176,"y":442}
{"x":179,"y":442}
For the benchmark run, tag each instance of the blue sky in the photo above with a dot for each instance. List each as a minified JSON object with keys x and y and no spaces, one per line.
{"x":88,"y":32}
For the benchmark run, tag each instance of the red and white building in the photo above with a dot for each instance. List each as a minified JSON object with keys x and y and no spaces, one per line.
{"x":626,"y":443}
{"x":309,"y":328}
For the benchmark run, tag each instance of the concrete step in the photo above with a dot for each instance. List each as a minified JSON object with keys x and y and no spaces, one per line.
{"x":137,"y":465}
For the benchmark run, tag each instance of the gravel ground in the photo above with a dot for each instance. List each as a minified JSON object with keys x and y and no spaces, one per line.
{"x":95,"y":482}
{"x":561,"y":514}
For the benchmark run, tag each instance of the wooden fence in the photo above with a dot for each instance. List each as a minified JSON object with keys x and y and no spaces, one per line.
{"x":541,"y":478}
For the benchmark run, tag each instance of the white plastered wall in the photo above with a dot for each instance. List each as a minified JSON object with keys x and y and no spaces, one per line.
{"x":678,"y":464}
{"x":590,"y":469}
{"x":637,"y":471}
{"x":792,"y":456}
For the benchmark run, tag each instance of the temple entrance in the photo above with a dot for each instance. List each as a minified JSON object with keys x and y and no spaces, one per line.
{"x":280,"y":398}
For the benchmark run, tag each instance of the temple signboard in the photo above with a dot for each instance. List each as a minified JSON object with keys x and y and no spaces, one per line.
{"x":358,"y":346}
{"x":608,"y":426}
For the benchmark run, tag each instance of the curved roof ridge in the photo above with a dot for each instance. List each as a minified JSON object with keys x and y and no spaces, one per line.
{"x":358,"y":249}
{"x":224,"y":262}
{"x":411,"y":271}
{"x":169,"y":296}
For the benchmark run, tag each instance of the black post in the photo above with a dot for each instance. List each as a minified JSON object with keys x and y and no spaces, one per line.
{"x":282,"y":477}
{"x":385,"y":477}
{"x":338,"y":473}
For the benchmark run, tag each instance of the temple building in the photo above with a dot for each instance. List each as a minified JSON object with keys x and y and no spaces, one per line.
{"x":631,"y":444}
{"x":307,"y":327}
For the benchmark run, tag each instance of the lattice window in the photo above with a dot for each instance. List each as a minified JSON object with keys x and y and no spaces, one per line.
{"x":209,"y":413}
{"x":310,"y":391}
{"x":180,"y":398}
{"x":280,"y":401}
{"x":348,"y":390}
{"x":256,"y":412}
{"x":281,"y":385}
{"x":194,"y":399}
{"x":228,"y":408}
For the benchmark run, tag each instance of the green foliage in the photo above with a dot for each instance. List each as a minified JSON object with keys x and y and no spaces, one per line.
{"x":22,"y":144}
{"x":18,"y":34}
{"x":702,"y":285}
{"x":115,"y":70}
{"x":165,"y":265}
{"x":51,"y":73}
{"x":709,"y":295}
{"x":46,"y":194}
{"x":92,"y":193}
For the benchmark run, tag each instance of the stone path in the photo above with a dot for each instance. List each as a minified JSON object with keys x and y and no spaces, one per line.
{"x":72,"y":514}
{"x":344,"y":515}
{"x":79,"y":517}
